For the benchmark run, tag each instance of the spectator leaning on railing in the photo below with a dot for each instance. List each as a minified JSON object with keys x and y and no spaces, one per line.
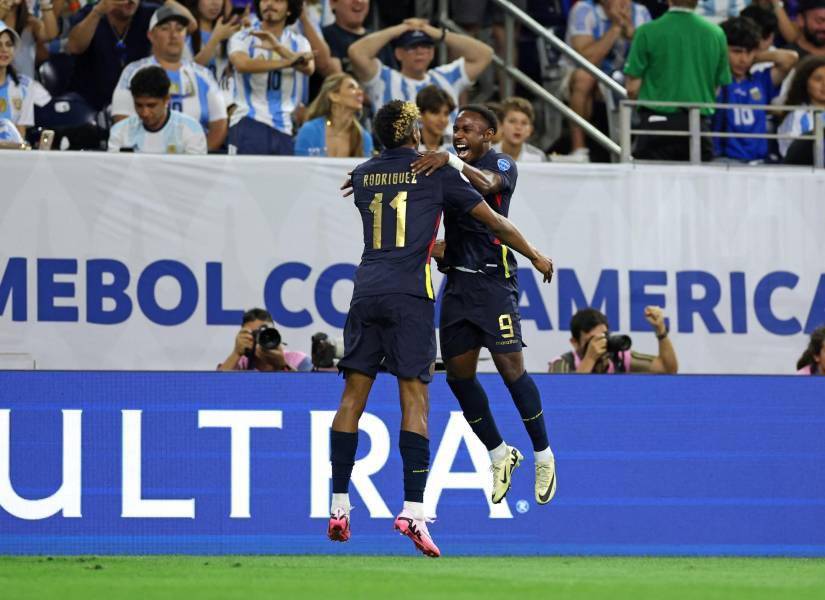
{"x":748,"y":87}
{"x":156,"y":128}
{"x":592,"y":353}
{"x":332,"y":127}
{"x":194,"y":90}
{"x":679,"y":57}
{"x":516,"y":128}
{"x":812,"y":361}
{"x":415,"y":41}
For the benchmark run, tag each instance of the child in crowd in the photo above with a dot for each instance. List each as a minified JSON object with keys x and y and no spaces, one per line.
{"x":516,"y":129}
{"x":807,"y":89}
{"x":759,"y":87}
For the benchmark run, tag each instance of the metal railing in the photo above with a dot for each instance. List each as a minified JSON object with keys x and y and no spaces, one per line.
{"x":695,"y":133}
{"x":511,"y":15}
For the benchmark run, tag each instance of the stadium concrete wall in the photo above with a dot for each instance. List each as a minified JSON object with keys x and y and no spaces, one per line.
{"x":146,"y":262}
{"x":215,"y":463}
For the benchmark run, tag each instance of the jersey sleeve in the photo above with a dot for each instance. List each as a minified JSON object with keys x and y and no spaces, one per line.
{"x":216,"y":104}
{"x":508,"y":171}
{"x":122,"y":102}
{"x":456,"y":75}
{"x":637,"y":59}
{"x":459,"y":196}
{"x":194,"y":141}
{"x":117,"y":136}
{"x":582,"y":20}
{"x":238,"y":43}
{"x":375,"y":87}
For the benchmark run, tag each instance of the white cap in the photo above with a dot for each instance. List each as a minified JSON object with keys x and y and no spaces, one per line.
{"x":14,"y":35}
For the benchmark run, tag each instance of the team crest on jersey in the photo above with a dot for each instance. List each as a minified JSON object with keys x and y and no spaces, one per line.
{"x":17,"y":103}
{"x":171,"y":149}
{"x":756,"y":94}
{"x":3,"y":105}
{"x":503,"y":165}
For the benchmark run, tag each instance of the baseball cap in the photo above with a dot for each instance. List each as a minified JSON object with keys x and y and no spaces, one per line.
{"x":806,"y":5}
{"x":167,"y":12}
{"x":14,"y":35}
{"x":417,"y":37}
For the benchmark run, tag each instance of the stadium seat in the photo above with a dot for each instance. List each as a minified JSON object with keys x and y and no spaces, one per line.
{"x":73,"y":119}
{"x":56,"y":73}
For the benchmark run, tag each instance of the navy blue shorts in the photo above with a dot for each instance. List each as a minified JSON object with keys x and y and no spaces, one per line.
{"x":249,"y":136}
{"x":396,"y":330}
{"x":477,"y":311}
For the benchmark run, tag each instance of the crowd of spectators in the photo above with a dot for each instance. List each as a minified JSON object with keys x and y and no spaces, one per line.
{"x":304,"y":76}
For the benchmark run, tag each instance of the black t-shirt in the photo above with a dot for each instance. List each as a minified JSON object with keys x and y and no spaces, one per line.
{"x":339,"y":41}
{"x":97,"y":70}
{"x":400,"y":214}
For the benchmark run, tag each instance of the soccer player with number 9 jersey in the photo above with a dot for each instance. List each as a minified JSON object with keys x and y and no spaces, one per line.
{"x":391,"y":318}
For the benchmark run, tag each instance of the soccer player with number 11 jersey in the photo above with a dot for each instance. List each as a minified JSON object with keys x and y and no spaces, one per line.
{"x":391,"y":317}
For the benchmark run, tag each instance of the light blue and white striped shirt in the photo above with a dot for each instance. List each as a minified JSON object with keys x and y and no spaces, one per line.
{"x":798,"y":122}
{"x":181,"y":135}
{"x":17,"y":100}
{"x":389,"y":84}
{"x":194,"y":91}
{"x":269,"y":98}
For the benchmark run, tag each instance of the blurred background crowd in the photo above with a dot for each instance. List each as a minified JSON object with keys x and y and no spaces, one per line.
{"x":303,"y":77}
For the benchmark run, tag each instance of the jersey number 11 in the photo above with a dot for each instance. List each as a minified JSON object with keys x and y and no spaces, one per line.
{"x":399,"y":203}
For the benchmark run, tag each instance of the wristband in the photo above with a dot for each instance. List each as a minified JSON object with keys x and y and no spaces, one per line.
{"x":455,"y":162}
{"x":664,"y":335}
{"x":443,"y":34}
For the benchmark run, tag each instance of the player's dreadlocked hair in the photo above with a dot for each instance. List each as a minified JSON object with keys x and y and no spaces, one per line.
{"x":395,"y":122}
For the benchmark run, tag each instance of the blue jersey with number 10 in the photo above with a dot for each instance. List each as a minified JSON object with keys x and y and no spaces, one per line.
{"x":401,"y":212}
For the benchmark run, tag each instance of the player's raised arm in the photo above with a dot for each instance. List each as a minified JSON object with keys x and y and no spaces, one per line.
{"x":509,"y":234}
{"x":486,"y":182}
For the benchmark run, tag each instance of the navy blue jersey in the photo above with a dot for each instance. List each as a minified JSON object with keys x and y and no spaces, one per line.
{"x":470,"y":244}
{"x":401,"y":213}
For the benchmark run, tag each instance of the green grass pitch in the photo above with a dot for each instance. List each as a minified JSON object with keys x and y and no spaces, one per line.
{"x":397,"y":578}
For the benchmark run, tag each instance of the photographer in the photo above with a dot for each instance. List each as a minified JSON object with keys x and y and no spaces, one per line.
{"x":258,"y":347}
{"x":595,"y":350}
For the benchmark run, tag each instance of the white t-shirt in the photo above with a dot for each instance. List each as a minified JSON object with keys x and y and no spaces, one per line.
{"x":529,"y":153}
{"x":194,"y":91}
{"x":269,"y":98}
{"x":389,"y":84}
{"x":181,"y":135}
{"x":17,"y":100}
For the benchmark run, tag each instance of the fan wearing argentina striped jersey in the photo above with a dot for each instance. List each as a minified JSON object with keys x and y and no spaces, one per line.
{"x":390,"y":322}
{"x":414,"y":41}
{"x":156,"y":129}
{"x":194,"y":90}
{"x":480,"y":303}
{"x":272,"y":68}
{"x":16,"y":90}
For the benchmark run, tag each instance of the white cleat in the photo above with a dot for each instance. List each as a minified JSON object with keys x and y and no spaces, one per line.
{"x":503,"y":473}
{"x":545,"y":481}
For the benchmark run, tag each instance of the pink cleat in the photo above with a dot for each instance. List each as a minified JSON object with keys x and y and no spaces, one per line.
{"x":416,"y":530}
{"x":338,"y":529}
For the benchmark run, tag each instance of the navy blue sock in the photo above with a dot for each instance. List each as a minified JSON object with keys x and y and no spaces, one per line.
{"x":473,"y":401}
{"x":528,"y":402}
{"x":342,"y":447}
{"x":415,"y":454}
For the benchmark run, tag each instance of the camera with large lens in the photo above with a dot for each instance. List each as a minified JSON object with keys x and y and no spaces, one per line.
{"x":325,"y":350}
{"x":617,"y":342}
{"x":267,"y":337}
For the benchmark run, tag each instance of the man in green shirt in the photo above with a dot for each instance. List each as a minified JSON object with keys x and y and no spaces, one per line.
{"x":679,"y":57}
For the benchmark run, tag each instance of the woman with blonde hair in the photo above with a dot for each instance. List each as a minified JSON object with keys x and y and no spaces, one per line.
{"x":332,"y":127}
